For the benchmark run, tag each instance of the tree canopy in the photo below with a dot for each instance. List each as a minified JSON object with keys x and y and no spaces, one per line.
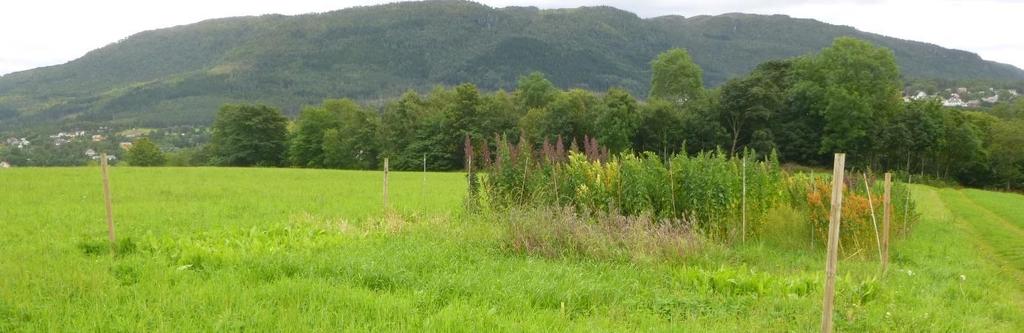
{"x":145,"y":153}
{"x":675,"y":77}
{"x":249,"y":135}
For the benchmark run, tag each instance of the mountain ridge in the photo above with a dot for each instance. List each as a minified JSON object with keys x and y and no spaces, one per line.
{"x":181,"y":74}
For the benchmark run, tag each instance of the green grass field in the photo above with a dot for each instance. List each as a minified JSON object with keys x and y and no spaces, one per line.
{"x":219,"y":249}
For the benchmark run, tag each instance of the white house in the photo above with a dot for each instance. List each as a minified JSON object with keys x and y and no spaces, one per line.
{"x":954,"y":101}
{"x":16,"y":142}
{"x":98,"y":138}
{"x":4,"y":165}
{"x":89,"y":152}
{"x":991,"y":99}
{"x":920,"y":95}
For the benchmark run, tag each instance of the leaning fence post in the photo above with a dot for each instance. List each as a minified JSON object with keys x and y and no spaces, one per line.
{"x":874,"y":221}
{"x":385,"y":184}
{"x":833,"y":242}
{"x":886,"y":216}
{"x":107,"y":202}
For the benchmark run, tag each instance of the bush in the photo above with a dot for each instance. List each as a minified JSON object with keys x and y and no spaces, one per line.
{"x":857,"y":234}
{"x":145,"y":153}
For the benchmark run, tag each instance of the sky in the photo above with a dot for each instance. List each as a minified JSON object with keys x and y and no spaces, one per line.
{"x":35,"y":33}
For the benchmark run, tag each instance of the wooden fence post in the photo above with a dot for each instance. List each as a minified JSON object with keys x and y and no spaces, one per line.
{"x":743,"y":228}
{"x":672,"y":188}
{"x":835,"y":214}
{"x":385,"y":184}
{"x":423,"y":187}
{"x":906,"y":205}
{"x":107,"y":202}
{"x":886,"y":216}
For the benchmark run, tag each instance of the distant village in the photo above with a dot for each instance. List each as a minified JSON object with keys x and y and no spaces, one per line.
{"x":964,"y":98}
{"x":86,"y":145}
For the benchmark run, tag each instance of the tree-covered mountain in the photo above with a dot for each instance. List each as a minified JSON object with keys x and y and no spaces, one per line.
{"x":181,"y":75}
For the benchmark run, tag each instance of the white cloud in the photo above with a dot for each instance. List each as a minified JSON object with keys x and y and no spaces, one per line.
{"x":48,"y":32}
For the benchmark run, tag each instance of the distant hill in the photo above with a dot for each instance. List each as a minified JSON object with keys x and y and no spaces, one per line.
{"x":180,"y":75}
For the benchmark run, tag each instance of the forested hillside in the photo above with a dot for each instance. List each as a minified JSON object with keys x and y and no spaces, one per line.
{"x":181,"y":75}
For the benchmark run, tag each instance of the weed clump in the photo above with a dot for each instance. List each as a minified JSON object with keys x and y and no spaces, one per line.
{"x":98,"y":247}
{"x":560,"y":233}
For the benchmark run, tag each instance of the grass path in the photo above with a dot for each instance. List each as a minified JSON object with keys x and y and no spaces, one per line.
{"x":994,"y":233}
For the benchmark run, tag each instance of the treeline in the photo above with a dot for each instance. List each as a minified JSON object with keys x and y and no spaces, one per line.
{"x":847,"y":98}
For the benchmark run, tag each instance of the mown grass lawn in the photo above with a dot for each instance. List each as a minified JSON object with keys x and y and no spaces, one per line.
{"x":297,"y":250}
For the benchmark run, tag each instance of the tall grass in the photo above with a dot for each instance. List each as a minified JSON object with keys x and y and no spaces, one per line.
{"x":704,"y":190}
{"x":720,"y":196}
{"x":559,"y":233}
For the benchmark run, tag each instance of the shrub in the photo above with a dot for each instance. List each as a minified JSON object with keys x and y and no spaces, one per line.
{"x":857,"y":234}
{"x":644,"y":186}
{"x":145,"y":153}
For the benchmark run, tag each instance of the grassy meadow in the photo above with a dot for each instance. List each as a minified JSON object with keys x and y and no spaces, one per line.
{"x":223,"y":249}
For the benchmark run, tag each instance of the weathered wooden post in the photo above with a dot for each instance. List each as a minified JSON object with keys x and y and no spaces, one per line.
{"x":835,"y":214}
{"x":672,"y":187}
{"x":385,"y":184}
{"x":423,"y":186}
{"x":107,"y":202}
{"x":886,"y":216}
{"x":743,"y":228}
{"x":906,"y":205}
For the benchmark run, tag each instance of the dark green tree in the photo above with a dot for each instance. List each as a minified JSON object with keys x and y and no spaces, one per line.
{"x":862,"y":94}
{"x":618,"y":120}
{"x":400,"y":121}
{"x":355,"y":143}
{"x":306,"y":149}
{"x":747,"y":107}
{"x":535,"y":91}
{"x":498,"y":114}
{"x":675,"y":77}
{"x":1007,"y":151}
{"x":702,"y":131}
{"x":144,"y":153}
{"x":915,"y":134}
{"x":661,"y":129}
{"x":249,"y":135}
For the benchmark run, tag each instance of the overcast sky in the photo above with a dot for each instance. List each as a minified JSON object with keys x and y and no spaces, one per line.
{"x":36,"y":33}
